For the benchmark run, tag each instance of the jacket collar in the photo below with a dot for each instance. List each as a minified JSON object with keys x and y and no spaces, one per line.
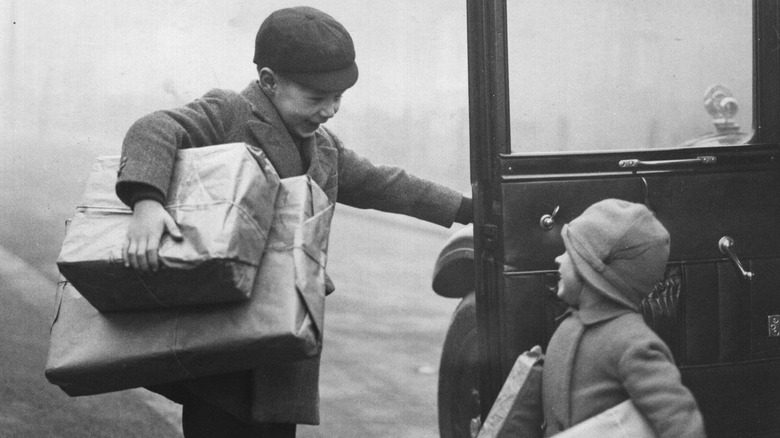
{"x":595,"y":308}
{"x":323,"y":156}
{"x":270,"y":133}
{"x":272,"y":136}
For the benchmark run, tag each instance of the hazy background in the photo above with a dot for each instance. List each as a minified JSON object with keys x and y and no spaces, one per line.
{"x":76,"y":73}
{"x":596,"y":75}
{"x":617,"y":74}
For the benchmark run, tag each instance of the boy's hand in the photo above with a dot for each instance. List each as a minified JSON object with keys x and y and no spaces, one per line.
{"x":150,"y":221}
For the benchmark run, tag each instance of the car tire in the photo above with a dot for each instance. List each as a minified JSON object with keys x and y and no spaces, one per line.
{"x":458,"y":394}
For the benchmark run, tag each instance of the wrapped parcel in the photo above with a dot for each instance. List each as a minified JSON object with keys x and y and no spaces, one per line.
{"x":222,"y":198}
{"x":93,"y":352}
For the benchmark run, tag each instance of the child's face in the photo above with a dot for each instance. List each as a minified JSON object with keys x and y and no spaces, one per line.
{"x":570,"y":283}
{"x":304,"y":109}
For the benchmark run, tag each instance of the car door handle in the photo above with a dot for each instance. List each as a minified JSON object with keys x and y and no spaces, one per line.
{"x":726,"y":247}
{"x":547,"y":221}
{"x":632,"y":163}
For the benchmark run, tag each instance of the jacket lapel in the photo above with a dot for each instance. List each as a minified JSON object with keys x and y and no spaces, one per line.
{"x":322,"y":159}
{"x":575,"y":334}
{"x":283,"y":156}
{"x":271,"y":135}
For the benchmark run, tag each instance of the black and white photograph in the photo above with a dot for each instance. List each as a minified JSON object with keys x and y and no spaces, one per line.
{"x":423,"y":219}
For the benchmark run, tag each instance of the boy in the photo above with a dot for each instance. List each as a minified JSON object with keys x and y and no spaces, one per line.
{"x":603,"y":352}
{"x":305,"y":61}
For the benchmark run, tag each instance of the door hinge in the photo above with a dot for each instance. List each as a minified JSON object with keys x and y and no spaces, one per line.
{"x":489,"y":236}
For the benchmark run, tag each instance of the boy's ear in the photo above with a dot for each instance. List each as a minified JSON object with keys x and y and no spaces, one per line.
{"x":268,"y":80}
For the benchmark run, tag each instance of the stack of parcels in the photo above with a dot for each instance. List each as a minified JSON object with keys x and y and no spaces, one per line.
{"x":93,"y":352}
{"x":221,"y":197}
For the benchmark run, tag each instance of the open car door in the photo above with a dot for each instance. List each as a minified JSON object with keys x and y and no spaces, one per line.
{"x":675,"y":105}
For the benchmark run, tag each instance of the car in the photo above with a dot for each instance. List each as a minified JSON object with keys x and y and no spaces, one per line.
{"x":675,"y":105}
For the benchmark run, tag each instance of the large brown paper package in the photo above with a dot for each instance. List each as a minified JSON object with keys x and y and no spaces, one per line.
{"x":517,"y":411}
{"x":92,"y":352}
{"x":221,"y":197}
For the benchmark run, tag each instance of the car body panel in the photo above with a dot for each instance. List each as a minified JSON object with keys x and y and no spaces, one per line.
{"x":718,"y":311}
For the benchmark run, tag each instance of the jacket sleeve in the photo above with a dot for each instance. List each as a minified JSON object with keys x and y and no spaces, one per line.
{"x":150,"y":146}
{"x":653,"y":382}
{"x":391,"y":189}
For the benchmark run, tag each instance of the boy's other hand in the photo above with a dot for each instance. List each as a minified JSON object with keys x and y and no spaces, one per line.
{"x":150,"y":220}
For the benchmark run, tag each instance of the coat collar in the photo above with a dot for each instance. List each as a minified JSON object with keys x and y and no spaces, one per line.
{"x":595,"y":308}
{"x":323,"y":157}
{"x":272,"y":136}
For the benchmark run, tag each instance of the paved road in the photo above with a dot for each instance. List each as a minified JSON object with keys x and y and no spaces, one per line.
{"x":29,"y":405}
{"x":384,"y":330}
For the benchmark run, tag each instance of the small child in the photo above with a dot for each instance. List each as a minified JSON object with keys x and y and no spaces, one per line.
{"x":603,"y":353}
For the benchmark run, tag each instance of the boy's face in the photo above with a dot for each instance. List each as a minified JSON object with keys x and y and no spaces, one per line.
{"x":570,"y":283}
{"x":304,"y":109}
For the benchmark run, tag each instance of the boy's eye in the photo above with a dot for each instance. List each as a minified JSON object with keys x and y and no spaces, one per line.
{"x":318,"y":99}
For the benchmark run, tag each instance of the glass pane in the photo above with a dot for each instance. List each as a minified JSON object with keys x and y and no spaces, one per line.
{"x":624,"y":75}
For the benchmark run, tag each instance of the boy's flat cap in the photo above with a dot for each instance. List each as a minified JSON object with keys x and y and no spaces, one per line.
{"x":307,"y":46}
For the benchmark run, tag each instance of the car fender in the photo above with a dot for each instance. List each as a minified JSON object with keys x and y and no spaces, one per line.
{"x":453,"y":274}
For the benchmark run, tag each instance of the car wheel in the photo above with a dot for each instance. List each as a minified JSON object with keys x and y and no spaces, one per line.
{"x":459,"y":373}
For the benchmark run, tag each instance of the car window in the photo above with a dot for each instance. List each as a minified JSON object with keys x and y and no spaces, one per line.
{"x":624,"y":75}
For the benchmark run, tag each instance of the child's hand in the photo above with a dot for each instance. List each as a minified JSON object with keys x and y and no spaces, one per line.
{"x":150,"y":221}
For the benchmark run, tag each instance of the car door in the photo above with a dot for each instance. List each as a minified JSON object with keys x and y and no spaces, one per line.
{"x":671,"y":104}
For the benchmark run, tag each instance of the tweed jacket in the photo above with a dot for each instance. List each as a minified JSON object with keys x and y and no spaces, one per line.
{"x":288,"y":392}
{"x":223,"y":116}
{"x":604,"y":354}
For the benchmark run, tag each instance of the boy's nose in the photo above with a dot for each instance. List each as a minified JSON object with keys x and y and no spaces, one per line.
{"x":329,"y":109}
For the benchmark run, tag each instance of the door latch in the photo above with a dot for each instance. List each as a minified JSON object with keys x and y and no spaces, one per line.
{"x":726,"y":247}
{"x":634,"y":163}
{"x":547,"y":221}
